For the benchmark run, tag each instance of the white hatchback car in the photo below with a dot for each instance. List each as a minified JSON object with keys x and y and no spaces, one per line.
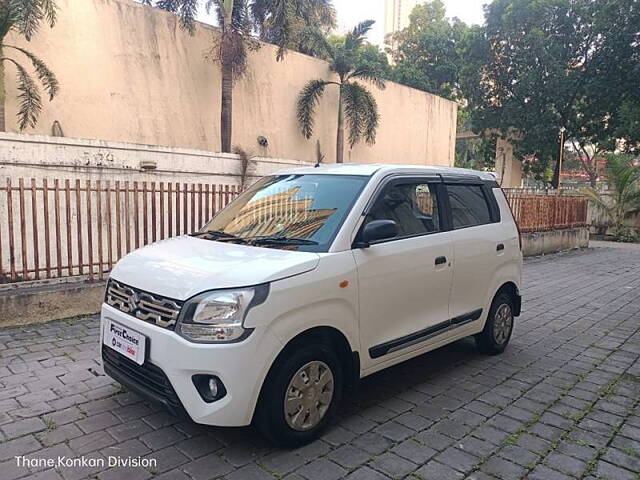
{"x":310,"y":280}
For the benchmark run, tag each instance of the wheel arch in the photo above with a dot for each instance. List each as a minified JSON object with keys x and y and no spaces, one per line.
{"x":511,"y":289}
{"x":327,"y":335}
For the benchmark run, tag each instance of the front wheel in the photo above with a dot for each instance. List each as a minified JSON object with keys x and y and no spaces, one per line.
{"x":499,"y":325}
{"x":299,"y":396}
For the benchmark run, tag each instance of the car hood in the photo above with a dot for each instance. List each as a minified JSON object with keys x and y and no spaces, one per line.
{"x":181,"y":267}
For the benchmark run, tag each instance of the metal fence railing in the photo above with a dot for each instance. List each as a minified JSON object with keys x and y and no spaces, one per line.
{"x":62,"y":228}
{"x":543,"y":210}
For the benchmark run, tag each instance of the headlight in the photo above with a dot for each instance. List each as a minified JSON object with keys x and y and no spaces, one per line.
{"x":217,"y":316}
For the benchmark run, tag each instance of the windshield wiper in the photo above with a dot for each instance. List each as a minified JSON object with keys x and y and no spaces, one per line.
{"x":219,"y":235}
{"x":280,"y":240}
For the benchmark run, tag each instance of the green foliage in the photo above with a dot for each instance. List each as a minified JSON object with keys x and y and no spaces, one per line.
{"x":283,"y":22}
{"x":627,"y":127}
{"x":368,"y":57}
{"x":545,"y":64}
{"x":354,"y":62}
{"x":278,"y":22}
{"x":24,"y":17}
{"x":476,"y":153}
{"x":247,"y":164}
{"x":308,"y":99}
{"x":430,"y":53}
{"x":361,"y":110}
{"x":623,"y":197}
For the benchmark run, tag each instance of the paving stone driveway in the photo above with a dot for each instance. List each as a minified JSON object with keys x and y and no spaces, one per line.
{"x":562,"y":402}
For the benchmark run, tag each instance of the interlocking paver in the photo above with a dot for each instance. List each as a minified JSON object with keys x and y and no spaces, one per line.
{"x":322,"y":469}
{"x":414,"y":452}
{"x":457,"y":459}
{"x":392,"y":465}
{"x":562,"y":402}
{"x":566,"y":464}
{"x":349,"y":457}
{"x":23,"y":427}
{"x":437,"y":471}
{"x":18,"y":446}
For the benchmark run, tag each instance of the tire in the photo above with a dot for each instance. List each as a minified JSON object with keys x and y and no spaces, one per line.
{"x":498,"y":328}
{"x":280,"y":388}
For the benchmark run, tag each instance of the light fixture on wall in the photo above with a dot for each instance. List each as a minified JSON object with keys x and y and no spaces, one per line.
{"x":56,"y":129}
{"x":148,"y":165}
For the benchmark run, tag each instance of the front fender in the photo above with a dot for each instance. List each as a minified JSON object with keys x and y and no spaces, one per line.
{"x":327,"y":296}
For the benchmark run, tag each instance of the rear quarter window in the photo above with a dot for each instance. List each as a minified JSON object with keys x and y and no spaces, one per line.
{"x":469,"y":206}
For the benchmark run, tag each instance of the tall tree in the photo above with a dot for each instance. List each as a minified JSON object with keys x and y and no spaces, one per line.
{"x":275,"y":21}
{"x":548,"y":64}
{"x":429,"y":53}
{"x":283,"y":22}
{"x":24,"y":18}
{"x":231,"y":52}
{"x":355,"y":102}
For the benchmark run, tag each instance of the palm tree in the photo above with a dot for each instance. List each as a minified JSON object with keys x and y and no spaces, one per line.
{"x":24,"y":17}
{"x":623,"y":179}
{"x":355,"y":102}
{"x":283,"y":22}
{"x":231,"y":51}
{"x":238,"y":19}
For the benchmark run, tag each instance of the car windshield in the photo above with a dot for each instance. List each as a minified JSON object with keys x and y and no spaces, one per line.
{"x":296,"y":212}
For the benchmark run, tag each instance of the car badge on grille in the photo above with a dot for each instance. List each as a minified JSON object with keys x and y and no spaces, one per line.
{"x":133,"y":301}
{"x":145,"y":306}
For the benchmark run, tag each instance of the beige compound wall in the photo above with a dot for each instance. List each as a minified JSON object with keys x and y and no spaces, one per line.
{"x":129,"y":74}
{"x":508,"y":167}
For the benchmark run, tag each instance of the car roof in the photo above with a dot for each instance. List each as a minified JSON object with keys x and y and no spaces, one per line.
{"x":369,"y":169}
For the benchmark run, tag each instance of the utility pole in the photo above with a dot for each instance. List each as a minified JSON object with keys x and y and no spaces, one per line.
{"x":556,"y":174}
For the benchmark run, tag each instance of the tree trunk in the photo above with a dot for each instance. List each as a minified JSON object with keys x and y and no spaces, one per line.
{"x":555,"y":180}
{"x":340,"y":136}
{"x":3,"y":95}
{"x":589,"y":163}
{"x":226,"y":62}
{"x":226,"y":104}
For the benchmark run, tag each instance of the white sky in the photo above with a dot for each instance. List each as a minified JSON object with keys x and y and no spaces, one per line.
{"x":350,"y":12}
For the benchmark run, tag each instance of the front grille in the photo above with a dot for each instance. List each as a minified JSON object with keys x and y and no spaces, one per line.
{"x":146,"y":306}
{"x":147,"y":379}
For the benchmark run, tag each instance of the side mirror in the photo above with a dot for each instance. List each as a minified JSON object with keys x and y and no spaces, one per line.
{"x":377,"y":230}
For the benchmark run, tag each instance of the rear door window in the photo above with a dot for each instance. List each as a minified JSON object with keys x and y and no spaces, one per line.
{"x":469,"y":206}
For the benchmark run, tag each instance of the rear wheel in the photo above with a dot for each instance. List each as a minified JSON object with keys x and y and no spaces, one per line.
{"x":300,"y":395}
{"x":499,"y":325}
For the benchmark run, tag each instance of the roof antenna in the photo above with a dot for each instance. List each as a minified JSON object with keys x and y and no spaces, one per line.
{"x":319,"y":154}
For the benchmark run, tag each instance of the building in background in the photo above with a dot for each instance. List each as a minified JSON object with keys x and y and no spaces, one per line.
{"x":396,"y":15}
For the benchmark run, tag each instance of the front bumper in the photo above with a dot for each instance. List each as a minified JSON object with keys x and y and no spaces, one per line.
{"x":146,"y":380}
{"x":241,"y":367}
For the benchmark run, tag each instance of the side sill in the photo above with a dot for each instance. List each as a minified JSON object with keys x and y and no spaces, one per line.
{"x":420,"y":336}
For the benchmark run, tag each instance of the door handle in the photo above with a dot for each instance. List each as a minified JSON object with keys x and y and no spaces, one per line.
{"x":441,"y":260}
{"x":500,"y":247}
